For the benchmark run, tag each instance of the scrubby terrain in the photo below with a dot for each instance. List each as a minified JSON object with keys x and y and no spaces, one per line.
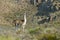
{"x":38,"y":27}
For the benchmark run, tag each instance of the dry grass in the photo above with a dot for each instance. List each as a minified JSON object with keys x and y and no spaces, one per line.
{"x":9,"y":10}
{"x":8,"y":38}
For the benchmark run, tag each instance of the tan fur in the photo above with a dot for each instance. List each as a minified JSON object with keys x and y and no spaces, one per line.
{"x":17,"y":21}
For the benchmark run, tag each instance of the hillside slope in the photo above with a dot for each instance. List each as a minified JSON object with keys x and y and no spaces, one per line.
{"x":37,"y":27}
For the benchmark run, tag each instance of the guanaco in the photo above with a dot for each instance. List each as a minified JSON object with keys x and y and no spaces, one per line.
{"x":18,"y":22}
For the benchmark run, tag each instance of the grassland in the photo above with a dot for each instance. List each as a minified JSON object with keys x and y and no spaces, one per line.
{"x":10,"y":10}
